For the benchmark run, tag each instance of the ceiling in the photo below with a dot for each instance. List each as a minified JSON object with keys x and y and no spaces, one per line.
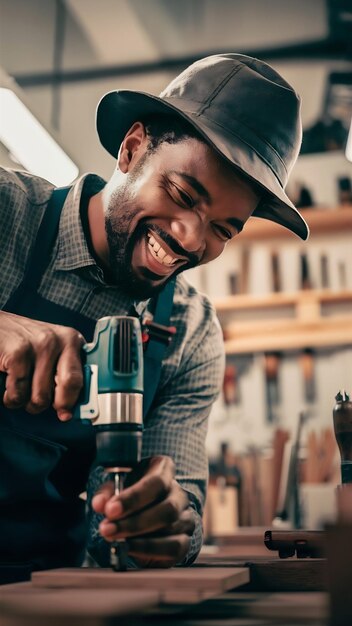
{"x":66,"y":54}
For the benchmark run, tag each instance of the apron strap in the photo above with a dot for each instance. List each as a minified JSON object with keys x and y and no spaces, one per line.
{"x":42,"y":247}
{"x":155,"y":351}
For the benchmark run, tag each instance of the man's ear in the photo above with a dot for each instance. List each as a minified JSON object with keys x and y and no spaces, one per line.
{"x":132,"y":147}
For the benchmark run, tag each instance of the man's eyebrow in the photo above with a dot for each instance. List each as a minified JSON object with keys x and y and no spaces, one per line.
{"x":197,"y":186}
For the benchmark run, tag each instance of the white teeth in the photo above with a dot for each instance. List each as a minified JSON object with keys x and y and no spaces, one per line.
{"x":159,"y":253}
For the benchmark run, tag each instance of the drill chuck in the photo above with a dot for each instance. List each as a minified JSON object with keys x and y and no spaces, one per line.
{"x":118,"y":446}
{"x":119,"y":429}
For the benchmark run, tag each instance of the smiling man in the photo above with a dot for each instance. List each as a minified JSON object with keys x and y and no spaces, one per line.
{"x":181,"y":204}
{"x":192,"y":166}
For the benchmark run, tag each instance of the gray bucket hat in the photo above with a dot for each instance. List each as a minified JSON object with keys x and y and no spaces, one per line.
{"x":242,"y":107}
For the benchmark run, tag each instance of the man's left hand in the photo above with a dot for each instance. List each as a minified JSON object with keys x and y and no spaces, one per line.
{"x":153,"y":514}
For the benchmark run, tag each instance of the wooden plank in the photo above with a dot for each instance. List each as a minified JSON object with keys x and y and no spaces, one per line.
{"x":280,"y":300}
{"x":288,"y":574}
{"x":325,"y":333}
{"x":239,"y":330}
{"x":173,"y":585}
{"x":275,"y":574}
{"x":91,"y":607}
{"x":305,"y":606}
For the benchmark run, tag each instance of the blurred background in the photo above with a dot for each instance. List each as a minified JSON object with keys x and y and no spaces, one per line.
{"x":285,"y":306}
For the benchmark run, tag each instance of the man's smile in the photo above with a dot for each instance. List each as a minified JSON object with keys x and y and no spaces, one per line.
{"x":158,"y":251}
{"x":153,"y":254}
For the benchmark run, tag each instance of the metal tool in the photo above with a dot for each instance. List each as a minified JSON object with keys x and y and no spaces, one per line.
{"x":303,"y":543}
{"x":342,"y":416}
{"x":112,"y":399}
{"x":289,"y":514}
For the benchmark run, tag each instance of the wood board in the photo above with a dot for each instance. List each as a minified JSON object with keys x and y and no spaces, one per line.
{"x":177,"y":585}
{"x":305,"y":607}
{"x":273,"y":574}
{"x":60,"y":607}
{"x":288,"y":574}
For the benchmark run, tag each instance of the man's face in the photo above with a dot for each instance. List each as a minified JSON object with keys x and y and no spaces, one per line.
{"x":174,"y":209}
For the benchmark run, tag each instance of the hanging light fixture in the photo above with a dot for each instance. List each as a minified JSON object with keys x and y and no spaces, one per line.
{"x":27,"y":141}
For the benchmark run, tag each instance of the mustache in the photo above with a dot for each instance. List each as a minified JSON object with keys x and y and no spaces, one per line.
{"x":192,"y":259}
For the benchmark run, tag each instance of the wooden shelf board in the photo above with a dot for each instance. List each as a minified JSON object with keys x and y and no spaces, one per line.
{"x":277,"y":300}
{"x":288,"y":334}
{"x":319,"y":220}
{"x":283,"y":342}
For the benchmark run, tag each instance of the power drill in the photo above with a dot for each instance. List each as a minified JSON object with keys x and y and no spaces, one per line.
{"x":112,"y":399}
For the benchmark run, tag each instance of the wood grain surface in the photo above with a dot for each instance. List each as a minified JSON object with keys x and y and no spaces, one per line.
{"x":178,"y":585}
{"x":71,"y":607}
{"x":305,"y":607}
{"x":288,"y":574}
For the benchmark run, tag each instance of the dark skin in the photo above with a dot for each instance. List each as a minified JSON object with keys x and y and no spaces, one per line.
{"x":185,"y":199}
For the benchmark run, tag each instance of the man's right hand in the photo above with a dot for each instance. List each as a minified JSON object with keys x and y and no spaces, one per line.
{"x":42,"y":363}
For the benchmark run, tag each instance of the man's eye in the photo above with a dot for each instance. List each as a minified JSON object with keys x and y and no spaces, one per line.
{"x":225,"y":234}
{"x":184,"y":196}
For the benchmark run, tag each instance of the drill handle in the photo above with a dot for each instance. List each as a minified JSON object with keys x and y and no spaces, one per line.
{"x":87,"y":406}
{"x":113,"y":363}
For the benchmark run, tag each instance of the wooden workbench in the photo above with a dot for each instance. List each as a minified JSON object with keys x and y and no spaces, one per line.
{"x":88,"y":598}
{"x":216,"y":591}
{"x":34,"y":606}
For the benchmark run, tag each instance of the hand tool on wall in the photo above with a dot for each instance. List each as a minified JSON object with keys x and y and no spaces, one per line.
{"x":305,"y":279}
{"x":321,"y":451}
{"x":306,"y":360}
{"x":112,"y":399}
{"x":275,"y":271}
{"x":230,"y":385}
{"x":324,"y":271}
{"x":342,"y":416}
{"x":280,"y":440}
{"x":289,"y":514}
{"x":272,"y":362}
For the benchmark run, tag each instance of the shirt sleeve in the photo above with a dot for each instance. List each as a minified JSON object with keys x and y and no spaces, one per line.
{"x":176,"y":425}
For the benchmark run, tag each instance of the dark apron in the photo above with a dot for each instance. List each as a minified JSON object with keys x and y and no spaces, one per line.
{"x":44,"y":463}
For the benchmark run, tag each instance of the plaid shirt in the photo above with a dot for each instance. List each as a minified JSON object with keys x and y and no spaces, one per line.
{"x":193,"y":366}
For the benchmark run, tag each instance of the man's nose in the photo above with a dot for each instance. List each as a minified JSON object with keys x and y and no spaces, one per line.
{"x":189,"y":232}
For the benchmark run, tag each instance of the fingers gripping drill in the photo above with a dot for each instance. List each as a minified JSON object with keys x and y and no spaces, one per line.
{"x":113,"y":400}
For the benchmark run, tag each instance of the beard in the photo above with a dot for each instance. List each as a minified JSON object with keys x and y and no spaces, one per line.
{"x":121,"y":244}
{"x":120,"y":214}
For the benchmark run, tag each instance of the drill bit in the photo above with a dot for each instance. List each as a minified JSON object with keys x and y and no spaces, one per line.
{"x":118,"y":550}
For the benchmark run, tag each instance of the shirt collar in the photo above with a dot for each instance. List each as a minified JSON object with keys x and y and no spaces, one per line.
{"x":73,"y":250}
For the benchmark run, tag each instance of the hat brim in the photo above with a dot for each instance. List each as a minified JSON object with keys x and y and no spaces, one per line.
{"x":118,"y":110}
